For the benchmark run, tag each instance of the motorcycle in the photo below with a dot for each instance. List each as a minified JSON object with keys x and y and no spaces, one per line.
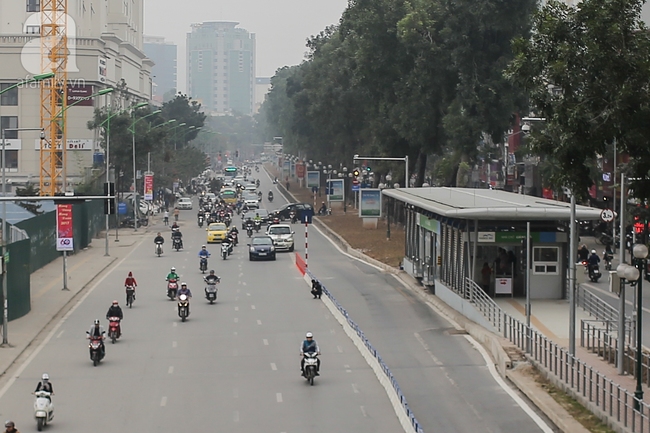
{"x":177,"y":244}
{"x":130,"y":296}
{"x":607,"y":258}
{"x":114,"y":330}
{"x":293,"y":217}
{"x":200,"y":220}
{"x":211,"y":292}
{"x":233,"y":235}
{"x":258,"y":225}
{"x":96,"y":352}
{"x":183,"y":307}
{"x":594,"y":273}
{"x":172,"y":288}
{"x":311,"y":366}
{"x":275,"y":181}
{"x":159,"y":249}
{"x":249,"y":231}
{"x":43,"y":409}
{"x":257,"y":182}
{"x":203,"y":264}
{"x":270,"y":197}
{"x":225,"y":250}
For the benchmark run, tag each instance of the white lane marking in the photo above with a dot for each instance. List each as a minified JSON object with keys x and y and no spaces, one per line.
{"x":60,"y":334}
{"x":241,"y":274}
{"x":243,"y":283}
{"x":236,"y":308}
{"x":174,"y":344}
{"x":170,"y":370}
{"x":247,"y":294}
{"x":363,"y":411}
{"x":347,"y":368}
{"x":355,"y":389}
{"x":273,"y":366}
{"x":174,"y":324}
{"x":236,"y":320}
{"x":266,"y":342}
{"x":426,"y":348}
{"x":235,"y":416}
{"x":36,"y":351}
{"x":259,"y":322}
{"x":340,"y":349}
{"x":163,"y":401}
{"x":497,"y":378}
{"x":278,"y":397}
{"x":252,"y":307}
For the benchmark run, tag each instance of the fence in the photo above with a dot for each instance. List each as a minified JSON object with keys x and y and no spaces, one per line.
{"x":580,"y":380}
{"x":18,"y":283}
{"x":373,"y":351}
{"x":596,"y":307}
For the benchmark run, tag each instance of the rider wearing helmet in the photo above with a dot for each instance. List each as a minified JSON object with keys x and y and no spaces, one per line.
{"x":184,"y":291}
{"x":45,"y":384}
{"x":97,"y":331}
{"x":10,"y":427}
{"x":309,"y":345}
{"x":593,"y":259}
{"x":212,"y":278}
{"x":172,"y":274}
{"x":204,"y":252}
{"x":114,"y":311}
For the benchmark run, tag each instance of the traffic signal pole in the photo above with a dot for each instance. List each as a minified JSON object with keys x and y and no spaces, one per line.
{"x":407,"y":182}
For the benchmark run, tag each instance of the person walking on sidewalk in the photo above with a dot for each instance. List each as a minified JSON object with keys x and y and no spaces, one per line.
{"x":486,"y":273}
{"x":131,"y":284}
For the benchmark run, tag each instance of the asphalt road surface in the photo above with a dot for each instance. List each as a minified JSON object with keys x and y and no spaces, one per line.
{"x":234,"y":366}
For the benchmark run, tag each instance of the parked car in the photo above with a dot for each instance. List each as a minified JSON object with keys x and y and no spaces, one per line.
{"x":284,"y":211}
{"x":282,"y":236}
{"x":184,"y":203}
{"x":261,"y":247}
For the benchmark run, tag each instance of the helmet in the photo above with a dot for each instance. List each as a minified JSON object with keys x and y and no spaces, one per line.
{"x":203,"y":246}
{"x":9,"y":423}
{"x":309,"y":335}
{"x":183,"y":284}
{"x":45,"y":376}
{"x":96,"y":321}
{"x":173,"y":269}
{"x":211,"y":271}
{"x":593,"y":251}
{"x":115,"y":302}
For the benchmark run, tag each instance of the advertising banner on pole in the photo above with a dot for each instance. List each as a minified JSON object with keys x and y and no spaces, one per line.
{"x":370,"y":203}
{"x":300,"y":171}
{"x":64,"y":228}
{"x":148,"y":187}
{"x":313,"y":179}
{"x":335,"y":190}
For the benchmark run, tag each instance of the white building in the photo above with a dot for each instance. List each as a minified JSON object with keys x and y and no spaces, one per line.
{"x":105,"y":49}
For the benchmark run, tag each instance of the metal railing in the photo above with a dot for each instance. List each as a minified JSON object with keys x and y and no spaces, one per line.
{"x":581,"y":380}
{"x":17,"y":234}
{"x":596,"y":307}
{"x":373,"y":352}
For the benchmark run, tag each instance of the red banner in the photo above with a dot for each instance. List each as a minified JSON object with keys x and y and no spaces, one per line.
{"x":64,"y":228}
{"x":148,"y":187}
{"x":300,"y":171}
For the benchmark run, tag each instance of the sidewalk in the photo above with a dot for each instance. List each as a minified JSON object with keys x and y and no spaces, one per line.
{"x":49,"y":302}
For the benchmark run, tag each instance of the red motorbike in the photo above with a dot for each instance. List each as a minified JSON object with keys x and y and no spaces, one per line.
{"x":172,"y":288}
{"x":114,"y":330}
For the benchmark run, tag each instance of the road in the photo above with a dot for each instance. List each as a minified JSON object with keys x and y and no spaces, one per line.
{"x":234,"y":366}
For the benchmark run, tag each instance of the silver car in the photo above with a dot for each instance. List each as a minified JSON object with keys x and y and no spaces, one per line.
{"x":282,"y":236}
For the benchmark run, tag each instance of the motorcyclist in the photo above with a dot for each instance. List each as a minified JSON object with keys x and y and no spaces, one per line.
{"x":172,"y":275}
{"x":593,"y":260}
{"x":159,"y":239}
{"x":114,"y":311}
{"x":212,"y":278}
{"x":583,"y":253}
{"x":229,"y":242}
{"x":270,"y":195}
{"x":184,"y":291}
{"x":10,"y":427}
{"x":204,"y":252}
{"x":323,"y":209}
{"x":45,"y":384}
{"x":176,"y":214}
{"x":175,"y":226}
{"x":97,"y":331}
{"x":166,"y":217}
{"x":176,"y":234}
{"x":130,"y":282}
{"x":309,"y":345}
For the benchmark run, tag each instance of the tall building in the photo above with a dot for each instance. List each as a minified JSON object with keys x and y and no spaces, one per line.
{"x":221,"y":67}
{"x":262,"y":88}
{"x":104,"y":45}
{"x":163,"y":54}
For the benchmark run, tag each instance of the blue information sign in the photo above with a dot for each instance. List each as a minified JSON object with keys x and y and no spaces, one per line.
{"x":355,"y":187}
{"x":306,"y":216}
{"x":121,"y":208}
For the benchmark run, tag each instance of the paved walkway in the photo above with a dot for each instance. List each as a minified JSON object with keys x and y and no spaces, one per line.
{"x":49,"y":301}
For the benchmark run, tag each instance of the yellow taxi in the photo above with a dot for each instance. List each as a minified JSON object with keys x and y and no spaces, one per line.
{"x":217,"y":232}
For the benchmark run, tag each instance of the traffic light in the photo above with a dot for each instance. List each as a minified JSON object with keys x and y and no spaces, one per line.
{"x":356,"y":172}
{"x":236,"y":154}
{"x":109,"y":204}
{"x":368,"y":169}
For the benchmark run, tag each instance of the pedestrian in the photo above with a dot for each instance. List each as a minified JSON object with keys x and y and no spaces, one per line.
{"x":287,"y":185}
{"x":176,"y":213}
{"x":166,"y":217}
{"x":486,"y":273}
{"x":316,"y":289}
{"x":11,"y":427}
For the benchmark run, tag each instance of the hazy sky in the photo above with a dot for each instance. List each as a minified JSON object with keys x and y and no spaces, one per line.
{"x":281,"y":26}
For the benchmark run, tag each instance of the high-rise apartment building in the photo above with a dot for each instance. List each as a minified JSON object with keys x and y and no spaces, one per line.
{"x":104,"y":45}
{"x":221,"y":67}
{"x":164,"y":55}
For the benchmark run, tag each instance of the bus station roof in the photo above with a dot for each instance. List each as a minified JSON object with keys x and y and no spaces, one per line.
{"x":489,"y":204}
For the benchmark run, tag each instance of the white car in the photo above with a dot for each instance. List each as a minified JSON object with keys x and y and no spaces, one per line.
{"x":282,"y":236}
{"x":251,"y":200}
{"x":184,"y":203}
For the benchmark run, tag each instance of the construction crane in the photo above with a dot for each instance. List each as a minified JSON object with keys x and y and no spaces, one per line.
{"x":54,"y":96}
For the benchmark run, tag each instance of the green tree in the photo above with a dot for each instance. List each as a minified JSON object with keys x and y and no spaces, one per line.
{"x":30,"y":190}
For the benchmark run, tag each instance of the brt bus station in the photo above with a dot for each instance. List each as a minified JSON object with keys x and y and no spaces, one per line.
{"x":456,"y":236}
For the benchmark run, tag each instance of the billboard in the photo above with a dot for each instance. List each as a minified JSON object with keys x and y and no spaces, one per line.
{"x":336,"y":189}
{"x":313,"y":179}
{"x":370,"y":203}
{"x":148,"y":187}
{"x":64,"y":228}
{"x":79,"y":95}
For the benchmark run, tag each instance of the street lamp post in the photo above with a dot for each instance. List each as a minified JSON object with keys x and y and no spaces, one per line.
{"x":640,"y":252}
{"x":135,"y":189}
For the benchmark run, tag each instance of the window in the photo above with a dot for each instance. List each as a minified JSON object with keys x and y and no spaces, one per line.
{"x":9,"y":122}
{"x":10,"y":97}
{"x":33,"y":5}
{"x":546,"y":261}
{"x":33,"y":30}
{"x":12,"y":158}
